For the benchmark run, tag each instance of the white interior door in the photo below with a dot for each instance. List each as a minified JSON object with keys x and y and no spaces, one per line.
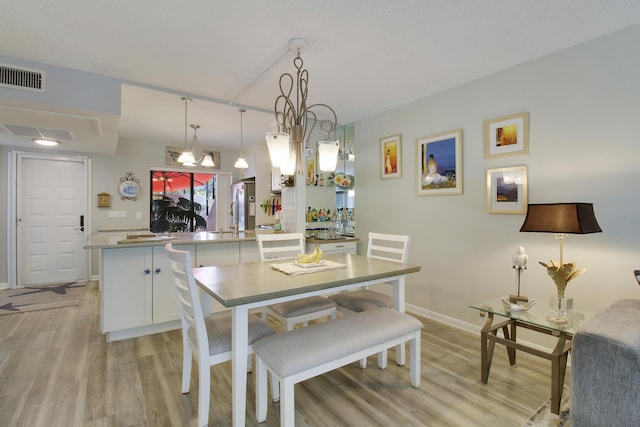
{"x":51,"y":213}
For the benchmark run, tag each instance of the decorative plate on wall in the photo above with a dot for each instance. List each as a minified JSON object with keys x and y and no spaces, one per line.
{"x":129,"y":187}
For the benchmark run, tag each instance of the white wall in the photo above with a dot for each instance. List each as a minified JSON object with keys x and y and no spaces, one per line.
{"x":583,"y":104}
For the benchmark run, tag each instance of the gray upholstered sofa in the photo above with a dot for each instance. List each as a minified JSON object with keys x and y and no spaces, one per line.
{"x":605,"y":370}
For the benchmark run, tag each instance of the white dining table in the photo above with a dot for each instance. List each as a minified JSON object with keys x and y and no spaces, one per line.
{"x":243,"y":287}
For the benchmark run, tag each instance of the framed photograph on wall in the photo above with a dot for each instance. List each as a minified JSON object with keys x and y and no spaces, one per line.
{"x":439,"y":163}
{"x":391,"y":156}
{"x":506,"y":136}
{"x":311,"y":171}
{"x":507,"y":190}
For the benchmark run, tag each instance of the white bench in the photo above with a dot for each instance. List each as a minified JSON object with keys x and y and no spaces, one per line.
{"x":297,"y":355}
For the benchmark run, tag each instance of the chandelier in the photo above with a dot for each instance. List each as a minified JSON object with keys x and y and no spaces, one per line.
{"x":286,"y":145}
{"x":187,"y":158}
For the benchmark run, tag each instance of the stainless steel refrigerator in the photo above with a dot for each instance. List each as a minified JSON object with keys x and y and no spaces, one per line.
{"x":243,"y":205}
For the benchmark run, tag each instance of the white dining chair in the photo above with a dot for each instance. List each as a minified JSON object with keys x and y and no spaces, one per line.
{"x":205,"y":338}
{"x":287,"y":246}
{"x":387,"y":247}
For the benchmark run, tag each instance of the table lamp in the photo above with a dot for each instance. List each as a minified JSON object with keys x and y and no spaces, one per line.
{"x":561,"y":219}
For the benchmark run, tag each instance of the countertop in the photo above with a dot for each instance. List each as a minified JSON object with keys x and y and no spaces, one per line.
{"x":100,"y":241}
{"x":315,"y":241}
{"x":117,"y":240}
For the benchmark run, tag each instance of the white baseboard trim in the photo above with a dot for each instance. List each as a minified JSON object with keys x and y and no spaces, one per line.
{"x":4,"y":285}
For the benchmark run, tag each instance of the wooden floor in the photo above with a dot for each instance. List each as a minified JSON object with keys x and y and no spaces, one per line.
{"x":56,"y":369}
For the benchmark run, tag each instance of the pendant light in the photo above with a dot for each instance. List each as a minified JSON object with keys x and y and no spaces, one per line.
{"x":241,"y":163}
{"x":187,"y":155}
{"x":188,"y":158}
{"x":292,"y":116}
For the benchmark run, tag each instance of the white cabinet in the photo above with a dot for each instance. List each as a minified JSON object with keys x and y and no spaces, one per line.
{"x":217,"y":254}
{"x":249,"y":251}
{"x":137,"y":289}
{"x":335,"y":247}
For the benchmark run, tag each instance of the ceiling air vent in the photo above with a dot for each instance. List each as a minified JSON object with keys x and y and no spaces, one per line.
{"x":22,"y":78}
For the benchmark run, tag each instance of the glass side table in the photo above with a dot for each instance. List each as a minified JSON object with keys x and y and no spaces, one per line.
{"x":535,"y":319}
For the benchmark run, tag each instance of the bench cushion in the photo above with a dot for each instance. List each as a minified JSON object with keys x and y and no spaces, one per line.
{"x":291,"y":352}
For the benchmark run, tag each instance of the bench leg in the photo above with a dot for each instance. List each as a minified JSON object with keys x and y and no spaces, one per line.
{"x":382,"y":359}
{"x":414,"y":363}
{"x":287,"y":403}
{"x":261,"y":390}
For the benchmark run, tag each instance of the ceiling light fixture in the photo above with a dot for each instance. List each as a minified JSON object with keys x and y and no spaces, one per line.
{"x":187,"y":158}
{"x":46,"y":142}
{"x":287,"y":143}
{"x":241,"y":163}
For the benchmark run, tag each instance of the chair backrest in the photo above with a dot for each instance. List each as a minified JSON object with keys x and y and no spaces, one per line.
{"x":389,"y":247}
{"x":191,"y":314}
{"x":281,"y":246}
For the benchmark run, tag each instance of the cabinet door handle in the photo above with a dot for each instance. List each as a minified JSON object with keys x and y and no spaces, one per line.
{"x":158,"y":271}
{"x":339,"y":246}
{"x":147,"y":271}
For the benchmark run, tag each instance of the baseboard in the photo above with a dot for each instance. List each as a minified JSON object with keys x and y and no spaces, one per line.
{"x":4,"y":285}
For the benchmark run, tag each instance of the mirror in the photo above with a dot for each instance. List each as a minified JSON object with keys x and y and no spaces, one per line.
{"x":330,"y":196}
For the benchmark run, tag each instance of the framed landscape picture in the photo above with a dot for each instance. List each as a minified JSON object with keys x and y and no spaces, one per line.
{"x":439,"y":163}
{"x":391,"y":157}
{"x":507,"y":190}
{"x":506,"y":136}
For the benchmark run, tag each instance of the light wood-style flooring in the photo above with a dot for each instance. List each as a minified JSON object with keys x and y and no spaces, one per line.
{"x":56,"y":369}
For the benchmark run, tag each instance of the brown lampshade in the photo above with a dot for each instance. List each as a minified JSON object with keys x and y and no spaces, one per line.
{"x":569,"y":218}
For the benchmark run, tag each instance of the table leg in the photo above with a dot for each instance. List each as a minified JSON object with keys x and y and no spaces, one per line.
{"x":239,"y":344}
{"x":558,"y":370}
{"x":399,"y":302}
{"x":511,"y":352}
{"x":486,"y":349}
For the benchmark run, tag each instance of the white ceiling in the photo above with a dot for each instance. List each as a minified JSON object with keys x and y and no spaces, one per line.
{"x":363,"y":56}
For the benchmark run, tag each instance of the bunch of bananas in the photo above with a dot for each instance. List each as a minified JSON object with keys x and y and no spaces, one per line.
{"x":312,"y":258}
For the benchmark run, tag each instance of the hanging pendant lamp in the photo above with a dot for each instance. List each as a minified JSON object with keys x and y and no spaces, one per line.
{"x":241,"y":163}
{"x":186,"y":157}
{"x":291,"y":118}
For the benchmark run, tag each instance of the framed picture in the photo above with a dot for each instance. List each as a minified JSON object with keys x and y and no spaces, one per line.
{"x":507,"y":190}
{"x":391,"y":156}
{"x":439,"y":167}
{"x":506,"y":136}
{"x":311,"y":171}
{"x":171,"y":155}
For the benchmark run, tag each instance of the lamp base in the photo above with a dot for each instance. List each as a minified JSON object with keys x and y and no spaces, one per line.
{"x":557,"y":319}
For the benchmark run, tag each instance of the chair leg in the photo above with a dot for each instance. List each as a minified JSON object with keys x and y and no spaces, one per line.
{"x":265,"y":314}
{"x":187,"y":362}
{"x":204,"y":394}
{"x":414,"y":363}
{"x":261,"y":390}
{"x":275,"y":388}
{"x":289,"y":324}
{"x":287,"y":403}
{"x":400,"y":355}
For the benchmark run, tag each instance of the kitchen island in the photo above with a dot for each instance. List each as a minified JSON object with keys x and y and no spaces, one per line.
{"x":136,"y":286}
